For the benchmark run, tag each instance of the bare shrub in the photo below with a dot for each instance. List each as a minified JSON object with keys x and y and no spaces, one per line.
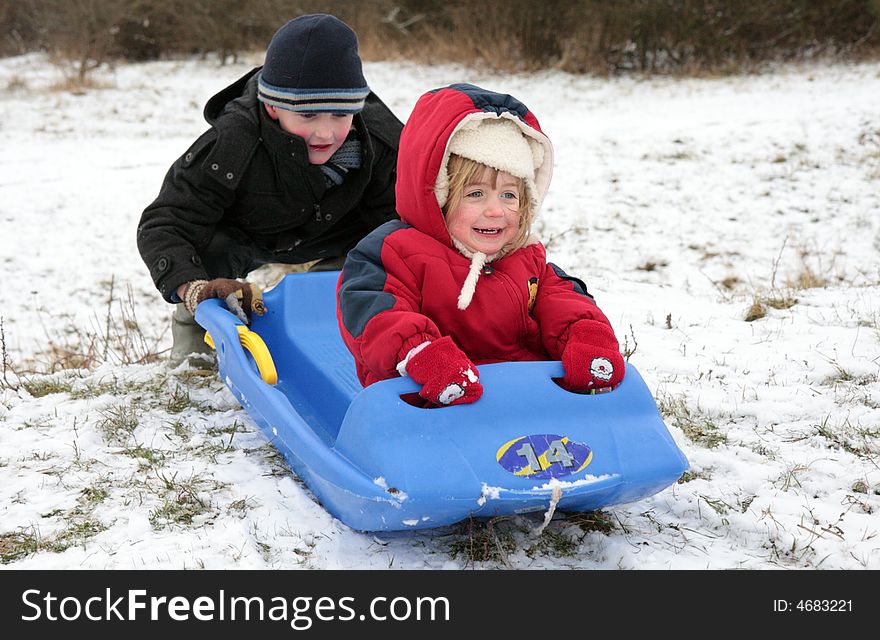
{"x":594,"y":36}
{"x":79,"y":31}
{"x":117,"y":337}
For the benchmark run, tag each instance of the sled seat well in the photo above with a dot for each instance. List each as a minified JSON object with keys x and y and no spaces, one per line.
{"x":315,"y":369}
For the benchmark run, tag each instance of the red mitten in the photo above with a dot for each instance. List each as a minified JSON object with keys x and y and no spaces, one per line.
{"x":446,"y":374}
{"x":591,"y":357}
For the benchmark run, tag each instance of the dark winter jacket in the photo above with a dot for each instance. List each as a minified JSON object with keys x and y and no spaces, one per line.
{"x":248,"y":174}
{"x":400,"y":285}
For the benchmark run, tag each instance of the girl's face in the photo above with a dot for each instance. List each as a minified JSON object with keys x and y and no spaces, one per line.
{"x":324,"y":133}
{"x":487,"y":217}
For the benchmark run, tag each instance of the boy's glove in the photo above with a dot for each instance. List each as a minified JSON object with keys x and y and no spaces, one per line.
{"x":242,"y":298}
{"x":446,"y":374}
{"x":591,"y":357}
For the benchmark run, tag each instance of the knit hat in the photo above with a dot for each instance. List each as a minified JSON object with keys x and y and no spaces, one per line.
{"x":312,"y":64}
{"x":503,"y":144}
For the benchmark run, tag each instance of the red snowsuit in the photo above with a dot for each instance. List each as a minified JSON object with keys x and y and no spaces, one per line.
{"x":400,"y":285}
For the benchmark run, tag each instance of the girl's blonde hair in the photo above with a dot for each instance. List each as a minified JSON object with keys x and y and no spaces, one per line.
{"x":464,"y":171}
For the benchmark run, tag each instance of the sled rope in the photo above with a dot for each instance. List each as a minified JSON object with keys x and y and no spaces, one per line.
{"x":555,"y":496}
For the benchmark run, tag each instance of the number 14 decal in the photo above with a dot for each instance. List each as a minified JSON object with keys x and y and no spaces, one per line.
{"x":547,"y":455}
{"x":556,"y":452}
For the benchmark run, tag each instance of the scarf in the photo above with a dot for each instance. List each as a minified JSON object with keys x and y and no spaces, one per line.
{"x":346,"y":158}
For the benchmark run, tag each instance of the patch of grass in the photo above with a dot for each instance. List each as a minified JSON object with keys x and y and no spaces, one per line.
{"x":240,"y":507}
{"x":797,"y":159}
{"x":860,"y":486}
{"x":232,"y":429}
{"x":179,"y":401}
{"x":859,"y":441}
{"x":118,"y":423}
{"x":24,"y":543}
{"x":784,"y":298}
{"x":553,"y":543}
{"x":756,"y":311}
{"x":746,"y":503}
{"x":718,"y":505}
{"x":40,"y":386}
{"x":760,"y":303}
{"x":154,"y":457}
{"x":672,"y":156}
{"x":779,"y":301}
{"x":182,"y":502}
{"x":18,"y":545}
{"x":211,"y":450}
{"x":652,"y":265}
{"x":482,"y":540}
{"x":868,"y":433}
{"x":151,"y":388}
{"x":93,"y":389}
{"x":763,"y":450}
{"x":699,"y":429}
{"x":590,"y":521}
{"x":221,"y":444}
{"x":180,"y":509}
{"x":76,"y":533}
{"x":39,"y":422}
{"x":78,"y":85}
{"x":198,"y":378}
{"x":92,"y":496}
{"x":844,"y":375}
{"x":278,"y":466}
{"x":807,"y":279}
{"x":681,"y":155}
{"x":789,"y":478}
{"x":690,"y":476}
{"x":181,"y":429}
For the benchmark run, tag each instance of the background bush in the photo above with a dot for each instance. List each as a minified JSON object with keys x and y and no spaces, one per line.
{"x":595,"y":36}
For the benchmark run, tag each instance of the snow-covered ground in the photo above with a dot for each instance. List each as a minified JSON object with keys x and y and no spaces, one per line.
{"x":680,"y":202}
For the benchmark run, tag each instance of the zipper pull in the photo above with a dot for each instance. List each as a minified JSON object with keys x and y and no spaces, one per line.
{"x":317,"y":212}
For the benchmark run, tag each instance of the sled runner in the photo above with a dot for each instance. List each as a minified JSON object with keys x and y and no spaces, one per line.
{"x":377,"y":462}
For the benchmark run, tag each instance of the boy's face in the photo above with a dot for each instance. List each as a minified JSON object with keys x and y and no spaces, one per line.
{"x":487,"y":217}
{"x":323,"y":133}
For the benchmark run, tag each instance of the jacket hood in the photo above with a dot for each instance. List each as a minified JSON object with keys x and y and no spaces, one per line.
{"x":238,"y":96}
{"x":425,"y":142}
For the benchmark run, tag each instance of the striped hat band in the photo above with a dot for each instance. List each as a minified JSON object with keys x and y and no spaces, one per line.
{"x":317,"y":100}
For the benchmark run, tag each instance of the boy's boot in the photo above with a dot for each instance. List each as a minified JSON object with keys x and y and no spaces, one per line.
{"x":189,"y":341}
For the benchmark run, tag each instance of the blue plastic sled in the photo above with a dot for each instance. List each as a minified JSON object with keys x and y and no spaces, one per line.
{"x":377,"y":462}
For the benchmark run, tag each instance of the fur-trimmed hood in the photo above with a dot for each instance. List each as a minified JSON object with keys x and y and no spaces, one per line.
{"x":458,"y":111}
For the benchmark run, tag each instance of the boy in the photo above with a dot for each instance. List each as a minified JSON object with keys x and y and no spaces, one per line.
{"x":299,"y":165}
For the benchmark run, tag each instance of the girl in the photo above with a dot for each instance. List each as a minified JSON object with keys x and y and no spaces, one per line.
{"x":459,"y":280}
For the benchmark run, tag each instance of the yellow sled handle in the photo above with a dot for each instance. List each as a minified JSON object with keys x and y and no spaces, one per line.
{"x":254,"y":343}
